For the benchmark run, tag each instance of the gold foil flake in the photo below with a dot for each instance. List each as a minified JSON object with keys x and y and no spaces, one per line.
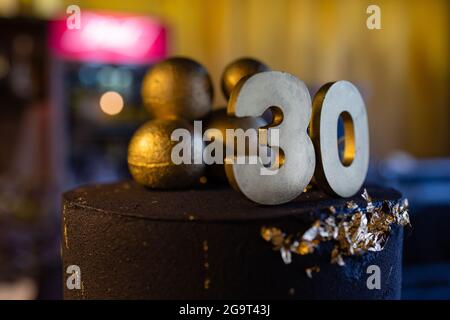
{"x":266,"y":233}
{"x":280,"y":242}
{"x":370,"y":207}
{"x":309,"y":271}
{"x":286,"y":255}
{"x":352,"y":205}
{"x":366,"y":196}
{"x":206,"y":284}
{"x":312,"y":232}
{"x":82,"y":288}
{"x":336,"y":257}
{"x":66,"y":239}
{"x":362,"y":230}
{"x":400,"y":212}
{"x":327,"y":228}
{"x":269,"y":234}
{"x":207,"y":281}
{"x":304,"y":247}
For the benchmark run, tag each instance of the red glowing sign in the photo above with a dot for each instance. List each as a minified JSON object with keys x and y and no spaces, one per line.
{"x":109,"y":38}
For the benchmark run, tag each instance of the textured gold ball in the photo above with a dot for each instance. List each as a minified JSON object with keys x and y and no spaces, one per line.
{"x":221,"y":121}
{"x":177,"y":88}
{"x":149,"y":156}
{"x":238,"y":69}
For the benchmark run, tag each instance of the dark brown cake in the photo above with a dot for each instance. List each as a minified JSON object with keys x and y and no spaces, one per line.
{"x":135,"y":243}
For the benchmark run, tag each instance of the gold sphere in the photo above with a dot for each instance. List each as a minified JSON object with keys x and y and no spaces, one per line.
{"x":221,"y":121}
{"x":177,"y":88}
{"x":149,"y":156}
{"x":238,"y":69}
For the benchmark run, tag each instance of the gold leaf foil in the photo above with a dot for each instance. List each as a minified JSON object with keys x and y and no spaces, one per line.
{"x":362,"y":230}
{"x":309,"y":271}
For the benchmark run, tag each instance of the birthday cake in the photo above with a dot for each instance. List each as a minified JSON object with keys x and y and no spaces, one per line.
{"x":211,"y":243}
{"x":174,"y":233}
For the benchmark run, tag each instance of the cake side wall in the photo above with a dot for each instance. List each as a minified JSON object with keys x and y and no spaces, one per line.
{"x":134,"y":258}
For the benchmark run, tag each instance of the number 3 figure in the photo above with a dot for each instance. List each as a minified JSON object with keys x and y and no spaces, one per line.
{"x":289,"y":99}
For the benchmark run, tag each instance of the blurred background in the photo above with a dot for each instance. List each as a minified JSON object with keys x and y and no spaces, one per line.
{"x":69,"y":102}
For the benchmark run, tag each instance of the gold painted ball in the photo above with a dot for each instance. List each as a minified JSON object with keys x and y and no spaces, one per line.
{"x":238,"y":69}
{"x":149,"y":156}
{"x":177,"y":88}
{"x":221,"y":121}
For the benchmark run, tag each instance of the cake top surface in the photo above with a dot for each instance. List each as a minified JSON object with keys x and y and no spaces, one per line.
{"x":204,"y":204}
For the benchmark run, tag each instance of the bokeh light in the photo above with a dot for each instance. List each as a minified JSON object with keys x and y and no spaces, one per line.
{"x":111,"y":103}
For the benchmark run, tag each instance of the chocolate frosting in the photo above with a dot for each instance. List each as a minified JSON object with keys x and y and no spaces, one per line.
{"x":134,"y":243}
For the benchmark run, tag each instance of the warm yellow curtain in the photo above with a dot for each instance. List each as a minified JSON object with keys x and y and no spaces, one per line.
{"x":403,"y":69}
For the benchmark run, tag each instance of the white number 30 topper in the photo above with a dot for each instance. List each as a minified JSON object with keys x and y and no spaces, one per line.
{"x":298,"y":152}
